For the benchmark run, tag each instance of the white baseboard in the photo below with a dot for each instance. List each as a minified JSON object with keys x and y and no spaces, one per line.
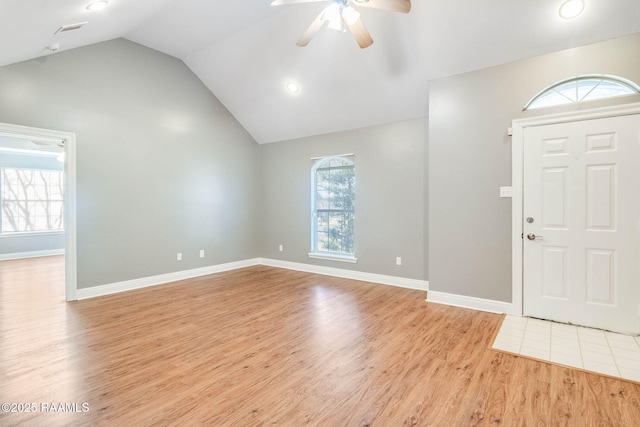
{"x":402,"y":282}
{"x":128,"y":285}
{"x":471,"y":302}
{"x":31,"y":254}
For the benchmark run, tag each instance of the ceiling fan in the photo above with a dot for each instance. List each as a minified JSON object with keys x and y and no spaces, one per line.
{"x":340,"y":15}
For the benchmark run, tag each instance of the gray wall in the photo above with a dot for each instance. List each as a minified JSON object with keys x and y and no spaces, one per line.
{"x":162,"y":166}
{"x":390,"y":193}
{"x":470,"y":158}
{"x":14,"y":244}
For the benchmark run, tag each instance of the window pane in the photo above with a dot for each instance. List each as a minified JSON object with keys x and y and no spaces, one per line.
{"x":323,"y":186}
{"x":569,"y":91}
{"x":340,"y":232}
{"x":583,"y":88}
{"x":334,"y":191}
{"x":323,"y":222}
{"x":586,"y":86}
{"x":549,"y":99}
{"x":336,"y":232}
{"x":608,"y":90}
{"x":32,"y":200}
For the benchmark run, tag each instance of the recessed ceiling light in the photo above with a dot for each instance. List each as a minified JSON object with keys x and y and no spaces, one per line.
{"x":99,"y":5}
{"x":571,"y":8}
{"x":293,"y":87}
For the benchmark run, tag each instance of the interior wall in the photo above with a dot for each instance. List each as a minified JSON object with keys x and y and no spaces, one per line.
{"x":162,"y":166}
{"x":20,"y":243}
{"x":390,"y":183}
{"x":470,"y":158}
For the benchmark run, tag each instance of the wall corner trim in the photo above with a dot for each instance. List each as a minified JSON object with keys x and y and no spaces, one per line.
{"x":401,"y":282}
{"x":473,"y":303}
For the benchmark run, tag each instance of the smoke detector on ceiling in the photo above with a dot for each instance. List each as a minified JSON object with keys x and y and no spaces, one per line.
{"x":71,"y":27}
{"x":54,"y":47}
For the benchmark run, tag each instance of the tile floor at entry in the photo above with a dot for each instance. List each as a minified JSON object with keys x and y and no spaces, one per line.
{"x":593,"y":350}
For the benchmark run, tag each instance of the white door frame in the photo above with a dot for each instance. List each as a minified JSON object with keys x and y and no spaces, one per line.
{"x":70,"y":257}
{"x":517,"y":182}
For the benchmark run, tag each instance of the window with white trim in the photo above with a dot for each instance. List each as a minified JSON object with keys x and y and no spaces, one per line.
{"x":333,"y":216}
{"x":32,"y":200}
{"x":582,"y":88}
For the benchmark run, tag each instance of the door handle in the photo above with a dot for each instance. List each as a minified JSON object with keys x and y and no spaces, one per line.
{"x":532,"y":236}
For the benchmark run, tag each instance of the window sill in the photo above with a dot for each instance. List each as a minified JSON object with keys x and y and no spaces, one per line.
{"x":329,"y":257}
{"x":30,"y":233}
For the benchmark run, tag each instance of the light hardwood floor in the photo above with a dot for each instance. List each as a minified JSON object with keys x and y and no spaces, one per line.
{"x":264,"y":346}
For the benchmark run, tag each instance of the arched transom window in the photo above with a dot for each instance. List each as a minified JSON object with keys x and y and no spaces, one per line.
{"x":582,"y":88}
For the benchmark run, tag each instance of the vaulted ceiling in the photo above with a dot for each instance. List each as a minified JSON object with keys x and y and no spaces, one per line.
{"x":245,"y":52}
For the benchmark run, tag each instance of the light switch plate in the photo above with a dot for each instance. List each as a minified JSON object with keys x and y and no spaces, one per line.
{"x":505,"y":191}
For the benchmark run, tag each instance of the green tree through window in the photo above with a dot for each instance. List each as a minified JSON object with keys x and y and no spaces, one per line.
{"x":333,"y":220}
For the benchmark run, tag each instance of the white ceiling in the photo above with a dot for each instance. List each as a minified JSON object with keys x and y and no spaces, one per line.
{"x":245,"y":52}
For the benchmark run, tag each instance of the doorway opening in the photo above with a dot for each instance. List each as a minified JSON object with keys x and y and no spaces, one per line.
{"x":579,"y":177}
{"x":39,"y":167}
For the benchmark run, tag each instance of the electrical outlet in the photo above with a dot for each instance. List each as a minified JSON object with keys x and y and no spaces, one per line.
{"x":281,"y":248}
{"x":179,"y":256}
{"x":398,"y":260}
{"x":201,"y":253}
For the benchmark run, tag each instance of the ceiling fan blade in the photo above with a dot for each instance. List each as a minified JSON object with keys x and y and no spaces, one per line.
{"x":283,"y":2}
{"x":361,"y":34}
{"x":402,"y":6}
{"x":312,"y":30}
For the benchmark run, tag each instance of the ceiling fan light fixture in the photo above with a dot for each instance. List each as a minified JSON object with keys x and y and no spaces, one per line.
{"x":342,"y":17}
{"x":332,"y":14}
{"x":99,"y":5}
{"x":571,"y":9}
{"x":350,"y":15}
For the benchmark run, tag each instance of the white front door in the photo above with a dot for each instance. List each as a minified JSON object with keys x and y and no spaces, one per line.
{"x":581,"y":211}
